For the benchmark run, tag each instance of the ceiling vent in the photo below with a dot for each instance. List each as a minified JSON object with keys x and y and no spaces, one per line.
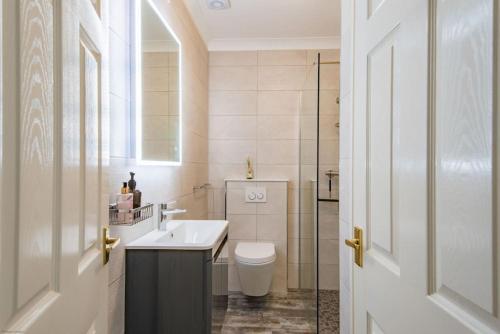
{"x":218,"y":4}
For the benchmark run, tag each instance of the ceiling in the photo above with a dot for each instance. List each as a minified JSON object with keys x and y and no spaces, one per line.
{"x":268,"y":24}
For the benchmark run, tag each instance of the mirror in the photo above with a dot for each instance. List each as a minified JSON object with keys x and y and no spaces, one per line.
{"x":158,"y":94}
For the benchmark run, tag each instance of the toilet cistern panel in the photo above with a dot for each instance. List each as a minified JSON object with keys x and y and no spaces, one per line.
{"x":256,"y":194}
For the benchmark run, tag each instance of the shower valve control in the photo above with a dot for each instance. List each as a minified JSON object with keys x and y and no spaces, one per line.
{"x":256,"y":195}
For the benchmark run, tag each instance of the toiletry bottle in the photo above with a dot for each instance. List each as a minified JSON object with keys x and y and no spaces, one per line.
{"x":132,"y":189}
{"x":124,"y":204}
{"x":124,"y":188}
{"x":131,"y":182}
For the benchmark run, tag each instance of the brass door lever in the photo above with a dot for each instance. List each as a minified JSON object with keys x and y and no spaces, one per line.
{"x":108,"y":244}
{"x":357,"y":244}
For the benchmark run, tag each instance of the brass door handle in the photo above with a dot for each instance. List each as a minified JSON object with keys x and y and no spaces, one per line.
{"x":108,"y":244}
{"x":354,"y":243}
{"x":357,"y":244}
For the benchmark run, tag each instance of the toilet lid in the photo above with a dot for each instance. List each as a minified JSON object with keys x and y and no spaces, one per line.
{"x":255,"y":252}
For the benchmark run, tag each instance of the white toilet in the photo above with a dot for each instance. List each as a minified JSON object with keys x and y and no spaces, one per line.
{"x":255,"y":263}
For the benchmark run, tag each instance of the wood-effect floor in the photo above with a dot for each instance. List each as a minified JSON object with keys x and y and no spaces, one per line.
{"x":294,"y":312}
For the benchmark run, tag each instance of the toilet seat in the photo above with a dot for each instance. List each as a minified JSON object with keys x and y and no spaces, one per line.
{"x":255,"y":252}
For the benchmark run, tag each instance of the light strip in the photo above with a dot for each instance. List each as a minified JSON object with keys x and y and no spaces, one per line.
{"x":138,"y":86}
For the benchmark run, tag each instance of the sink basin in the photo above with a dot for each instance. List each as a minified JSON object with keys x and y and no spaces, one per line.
{"x":184,"y":234}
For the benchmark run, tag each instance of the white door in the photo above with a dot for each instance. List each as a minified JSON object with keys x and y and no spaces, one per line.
{"x":426,"y":164}
{"x":53,"y":151}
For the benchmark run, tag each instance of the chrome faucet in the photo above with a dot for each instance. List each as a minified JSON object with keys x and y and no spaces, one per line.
{"x":164,"y":212}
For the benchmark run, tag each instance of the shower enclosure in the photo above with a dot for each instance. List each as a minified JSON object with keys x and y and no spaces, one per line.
{"x":318,"y":192}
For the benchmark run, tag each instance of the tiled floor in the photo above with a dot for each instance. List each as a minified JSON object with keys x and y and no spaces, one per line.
{"x":276,"y":313}
{"x":329,"y":320}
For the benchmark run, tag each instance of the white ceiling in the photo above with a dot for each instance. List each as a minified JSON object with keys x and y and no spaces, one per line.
{"x":268,"y":24}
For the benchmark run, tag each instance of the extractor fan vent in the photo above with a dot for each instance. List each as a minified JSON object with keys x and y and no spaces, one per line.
{"x":218,"y":4}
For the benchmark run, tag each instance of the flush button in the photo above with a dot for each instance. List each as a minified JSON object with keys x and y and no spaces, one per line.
{"x":256,"y":195}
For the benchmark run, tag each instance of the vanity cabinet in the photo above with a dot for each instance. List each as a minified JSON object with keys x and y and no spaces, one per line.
{"x":168,"y":291}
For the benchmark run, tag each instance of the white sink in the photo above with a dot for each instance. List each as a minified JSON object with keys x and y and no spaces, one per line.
{"x":184,"y":234}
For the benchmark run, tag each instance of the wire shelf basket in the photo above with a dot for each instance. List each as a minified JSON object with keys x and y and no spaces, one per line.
{"x":132,"y":217}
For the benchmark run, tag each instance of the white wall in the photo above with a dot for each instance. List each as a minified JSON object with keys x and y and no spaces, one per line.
{"x":158,"y":184}
{"x":345,"y":210}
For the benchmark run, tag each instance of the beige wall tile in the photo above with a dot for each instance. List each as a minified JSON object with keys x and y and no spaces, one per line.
{"x":155,"y":79}
{"x":293,"y":276}
{"x":330,"y":77}
{"x":243,"y":227}
{"x":272,"y":227}
{"x":232,"y":152}
{"x":293,"y":200}
{"x":233,"y":78}
{"x":155,"y":59}
{"x":233,"y":127}
{"x":293,"y":250}
{"x":282,"y":77}
{"x":279,"y":103}
{"x":329,"y":276}
{"x":279,"y":152}
{"x":277,"y":127}
{"x":155,"y":127}
{"x":173,"y":78}
{"x":221,"y":171}
{"x":155,"y":103}
{"x":288,"y":172}
{"x":328,"y":251}
{"x":282,"y":57}
{"x":173,"y":104}
{"x":233,"y":103}
{"x":280,"y":274}
{"x":234,"y":279}
{"x":233,"y":58}
{"x":293,"y":226}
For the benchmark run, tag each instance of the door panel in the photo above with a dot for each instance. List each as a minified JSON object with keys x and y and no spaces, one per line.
{"x":36,"y":152}
{"x":463,"y":220}
{"x":52,"y":278}
{"x":424,"y":171}
{"x":381,"y":227}
{"x":89,"y":96}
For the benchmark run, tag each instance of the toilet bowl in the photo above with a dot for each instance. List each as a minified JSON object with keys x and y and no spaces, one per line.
{"x":255,"y":265}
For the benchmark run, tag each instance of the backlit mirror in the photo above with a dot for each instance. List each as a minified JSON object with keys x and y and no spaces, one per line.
{"x":158,"y":107}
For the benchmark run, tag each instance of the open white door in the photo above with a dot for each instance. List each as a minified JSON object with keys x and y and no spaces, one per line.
{"x":425,"y":168}
{"x":53,"y":150}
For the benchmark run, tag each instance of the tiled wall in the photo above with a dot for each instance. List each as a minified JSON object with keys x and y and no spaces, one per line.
{"x":262,"y":222}
{"x":157,"y":183}
{"x":346,"y":98}
{"x":254,"y":111}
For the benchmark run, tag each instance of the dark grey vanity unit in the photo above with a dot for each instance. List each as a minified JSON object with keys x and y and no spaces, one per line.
{"x":170,"y":291}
